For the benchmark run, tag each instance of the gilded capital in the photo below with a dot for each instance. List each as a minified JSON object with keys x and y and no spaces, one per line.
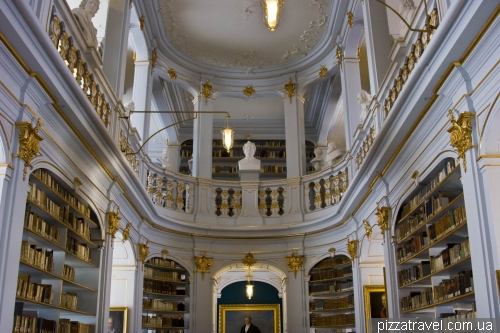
{"x":143,"y":251}
{"x":290,"y":88}
{"x":113,"y":222}
{"x":29,"y":143}
{"x":461,"y":134}
{"x":203,"y":264}
{"x":352,"y":248}
{"x":294,"y":263}
{"x":383,"y":218}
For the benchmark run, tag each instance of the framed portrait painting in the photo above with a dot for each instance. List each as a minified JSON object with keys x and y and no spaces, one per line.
{"x":375,"y":303}
{"x":117,"y":322}
{"x":265,"y":316}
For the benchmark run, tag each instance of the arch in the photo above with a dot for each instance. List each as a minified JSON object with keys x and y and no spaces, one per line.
{"x":187,"y":265}
{"x":123,"y":252}
{"x":228,"y":266}
{"x":141,"y":47}
{"x":314,"y":261}
{"x":489,"y":138}
{"x":371,"y":247}
{"x":5,"y":155}
{"x":351,"y":43}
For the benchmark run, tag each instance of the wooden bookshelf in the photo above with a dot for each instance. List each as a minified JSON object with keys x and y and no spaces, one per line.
{"x":331,"y":295}
{"x":57,"y":238}
{"x":432,"y":247}
{"x":169,"y":309}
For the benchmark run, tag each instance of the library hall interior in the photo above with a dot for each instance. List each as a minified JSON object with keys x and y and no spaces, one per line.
{"x":252,"y":166}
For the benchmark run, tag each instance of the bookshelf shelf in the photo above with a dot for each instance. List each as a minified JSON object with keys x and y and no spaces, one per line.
{"x":332,"y":279}
{"x":57,"y":257}
{"x":165,"y":310}
{"x":334,"y":310}
{"x":432,"y":248}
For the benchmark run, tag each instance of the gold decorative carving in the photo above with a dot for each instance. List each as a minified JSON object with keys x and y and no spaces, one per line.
{"x":352,"y":248}
{"x":290,"y":87}
{"x":350,"y":19}
{"x":368,"y":229}
{"x":164,"y":253}
{"x":322,"y":71}
{"x":143,"y":251}
{"x":203,"y":264}
{"x":172,"y":73}
{"x":113,"y":222}
{"x":142,"y":22}
{"x":29,"y":143}
{"x":249,"y":90}
{"x":338,"y":55}
{"x":249,"y":260}
{"x":294,"y":263}
{"x":134,"y":56}
{"x":383,"y":218}
{"x":332,"y":251}
{"x":461,"y":134}
{"x":126,"y":233}
{"x":206,"y":90}
{"x":154,"y":59}
{"x":358,"y":53}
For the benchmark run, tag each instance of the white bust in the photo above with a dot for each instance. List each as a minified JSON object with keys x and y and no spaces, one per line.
{"x":165,"y":157}
{"x":84,"y":15}
{"x":317,"y":161}
{"x":332,"y":153}
{"x":130,"y":107}
{"x":364,"y":99}
{"x":249,"y":162}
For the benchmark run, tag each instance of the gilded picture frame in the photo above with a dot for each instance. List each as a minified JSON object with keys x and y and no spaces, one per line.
{"x":498,"y":282}
{"x":117,"y":322}
{"x":374,"y":306}
{"x":266,"y":317}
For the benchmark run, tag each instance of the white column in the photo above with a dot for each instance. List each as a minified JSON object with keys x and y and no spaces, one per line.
{"x":378,"y":42}
{"x":138,"y":294}
{"x":296,"y":301}
{"x":391,"y":275}
{"x":351,"y":86}
{"x":357,"y":282}
{"x":105,"y":284}
{"x":295,"y":137}
{"x":14,"y":193}
{"x":174,"y":156}
{"x":116,"y":43}
{"x":203,"y":139}
{"x":143,"y":87}
{"x":201,"y":316}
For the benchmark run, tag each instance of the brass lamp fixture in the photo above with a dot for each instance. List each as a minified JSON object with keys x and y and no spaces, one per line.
{"x":227,"y":135}
{"x":272,"y":11}
{"x":249,"y":286}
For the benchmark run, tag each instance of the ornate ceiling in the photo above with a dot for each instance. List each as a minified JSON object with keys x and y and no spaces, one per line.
{"x":232,"y":34}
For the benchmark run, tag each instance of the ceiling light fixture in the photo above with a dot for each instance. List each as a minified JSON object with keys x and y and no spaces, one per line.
{"x":227,"y":135}
{"x":249,"y":286}
{"x":271,"y":9}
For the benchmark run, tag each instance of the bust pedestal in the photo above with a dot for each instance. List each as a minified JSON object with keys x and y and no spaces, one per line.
{"x":249,"y":170}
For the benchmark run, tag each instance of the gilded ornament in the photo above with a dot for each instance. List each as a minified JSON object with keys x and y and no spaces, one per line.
{"x":338,"y":55}
{"x":172,"y":73}
{"x":294,"y":263}
{"x":126,"y":233}
{"x":322,"y":71}
{"x":203,"y":264}
{"x":290,"y":89}
{"x":352,"y":248}
{"x":383,"y":218}
{"x":358,"y":54}
{"x":143,"y":251}
{"x":249,"y":91}
{"x":164,"y":253}
{"x":350,"y":19}
{"x":368,"y":229}
{"x":332,"y":251}
{"x":154,"y":59}
{"x":404,"y":73}
{"x":113,"y":222}
{"x":206,"y":90}
{"x":142,"y":22}
{"x":134,"y":56}
{"x":249,"y":260}
{"x":461,"y":134}
{"x":29,"y":143}
{"x":55,"y":30}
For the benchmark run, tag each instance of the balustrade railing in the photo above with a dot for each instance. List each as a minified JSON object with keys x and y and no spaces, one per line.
{"x":272,"y":201}
{"x":326,"y":190}
{"x":227,"y":201}
{"x":170,"y":192}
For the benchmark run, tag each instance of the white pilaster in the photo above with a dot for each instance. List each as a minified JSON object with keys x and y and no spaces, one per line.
{"x":351,"y":86}
{"x":203,"y":139}
{"x":378,"y":42}
{"x":174,"y":156}
{"x":201,"y":318}
{"x":143,"y":87}
{"x":105,"y":285}
{"x":295,"y":137}
{"x":116,"y":43}
{"x":296,"y":303}
{"x":138,"y":294}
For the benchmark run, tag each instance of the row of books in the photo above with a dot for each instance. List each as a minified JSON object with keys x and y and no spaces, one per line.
{"x":331,"y":287}
{"x":330,"y":262}
{"x":47,"y":179}
{"x":224,"y":169}
{"x":163,"y":287}
{"x":161,"y":305}
{"x":161,"y":275}
{"x":80,"y":250}
{"x":34,"y":291}
{"x":342,"y":319}
{"x":258,"y":143}
{"x":231,"y":153}
{"x":447,"y":168}
{"x":39,"y":257}
{"x":272,"y":169}
{"x":68,"y":326}
{"x":459,"y":314}
{"x":162,"y":321}
{"x":331,"y":273}
{"x":79,"y":225}
{"x":411,"y":224}
{"x":272,"y":153}
{"x":40,"y":198}
{"x":461,"y":284}
{"x":408,"y":275}
{"x":332,"y":303}
{"x":448,"y":222}
{"x":162,"y":262}
{"x":412,"y":246}
{"x":69,"y":300}
{"x":36,"y":223}
{"x":32,"y":324}
{"x":186,"y":153}
{"x":450,"y":255}
{"x":68,"y":272}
